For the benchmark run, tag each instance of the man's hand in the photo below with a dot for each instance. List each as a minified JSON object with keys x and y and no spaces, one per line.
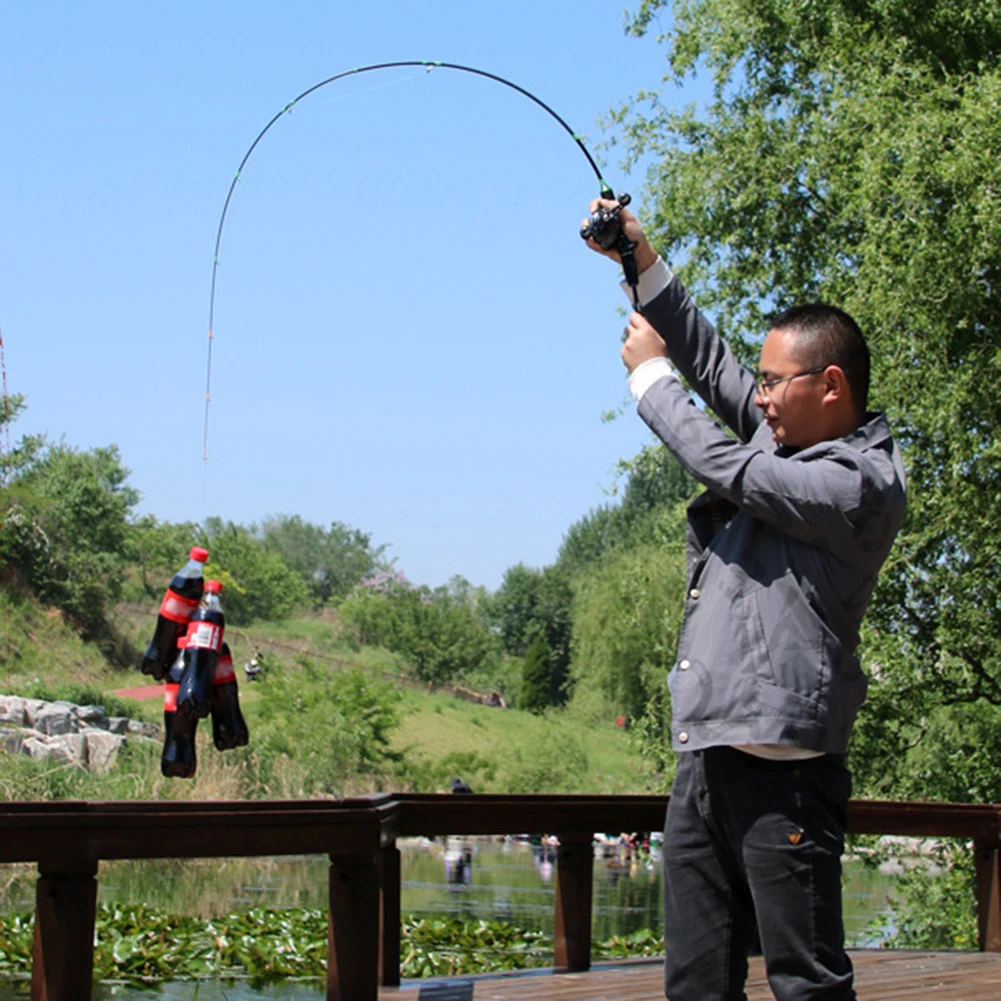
{"x":644,"y":253}
{"x":642,"y":343}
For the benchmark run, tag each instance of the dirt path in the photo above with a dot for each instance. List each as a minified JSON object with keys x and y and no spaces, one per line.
{"x":141,"y":692}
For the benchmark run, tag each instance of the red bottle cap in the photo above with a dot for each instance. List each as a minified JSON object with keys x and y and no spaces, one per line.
{"x":213,"y":587}
{"x":197,"y":553}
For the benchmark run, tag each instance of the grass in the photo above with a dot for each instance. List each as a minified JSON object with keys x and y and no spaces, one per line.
{"x":439,"y":737}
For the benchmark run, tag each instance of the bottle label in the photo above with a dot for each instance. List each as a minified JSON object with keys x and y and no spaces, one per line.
{"x":205,"y":636}
{"x":223,"y":671}
{"x":176,"y":608}
{"x":170,"y":698}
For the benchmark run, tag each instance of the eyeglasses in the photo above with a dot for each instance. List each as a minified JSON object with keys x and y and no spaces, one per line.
{"x":765,"y":386}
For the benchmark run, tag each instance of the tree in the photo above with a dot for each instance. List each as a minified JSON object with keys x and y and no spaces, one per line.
{"x":258,"y":584}
{"x":438,"y":637}
{"x":851,"y":152}
{"x":536,"y":676}
{"x":531,"y":603}
{"x":330,"y":561}
{"x":66,"y":527}
{"x":626,"y":616}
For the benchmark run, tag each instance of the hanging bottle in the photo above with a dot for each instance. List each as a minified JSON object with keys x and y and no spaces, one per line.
{"x":176,"y":609}
{"x":178,"y":759}
{"x":228,"y":726}
{"x":203,"y":646}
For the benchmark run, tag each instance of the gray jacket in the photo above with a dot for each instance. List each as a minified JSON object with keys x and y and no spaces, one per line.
{"x":766,"y":653}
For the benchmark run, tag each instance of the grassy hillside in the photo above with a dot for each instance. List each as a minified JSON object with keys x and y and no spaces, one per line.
{"x":439,"y":736}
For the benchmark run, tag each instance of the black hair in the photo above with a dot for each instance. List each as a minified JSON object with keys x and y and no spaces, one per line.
{"x":826,"y":335}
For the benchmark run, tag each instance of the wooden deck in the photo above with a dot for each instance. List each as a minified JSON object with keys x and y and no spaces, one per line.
{"x":879,"y":976}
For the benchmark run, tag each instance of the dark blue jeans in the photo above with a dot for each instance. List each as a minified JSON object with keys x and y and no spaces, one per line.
{"x":752,"y":855}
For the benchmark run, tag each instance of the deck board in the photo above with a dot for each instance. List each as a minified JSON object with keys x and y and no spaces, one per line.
{"x":880,"y":975}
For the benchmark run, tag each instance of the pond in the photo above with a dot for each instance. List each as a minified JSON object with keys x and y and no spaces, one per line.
{"x":494,"y":879}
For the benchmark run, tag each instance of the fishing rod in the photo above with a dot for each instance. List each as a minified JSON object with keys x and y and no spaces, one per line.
{"x":603,"y":226}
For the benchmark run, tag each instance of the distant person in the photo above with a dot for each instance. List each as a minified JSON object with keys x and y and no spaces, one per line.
{"x":252,"y":668}
{"x":460,"y":787}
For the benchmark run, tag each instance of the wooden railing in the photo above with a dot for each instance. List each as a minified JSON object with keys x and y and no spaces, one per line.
{"x":69,"y":839}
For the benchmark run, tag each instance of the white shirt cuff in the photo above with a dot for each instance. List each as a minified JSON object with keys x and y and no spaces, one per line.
{"x":647,"y":373}
{"x":652,"y":282}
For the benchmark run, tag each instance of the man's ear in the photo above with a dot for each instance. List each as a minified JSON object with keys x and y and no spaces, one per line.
{"x":836,"y":388}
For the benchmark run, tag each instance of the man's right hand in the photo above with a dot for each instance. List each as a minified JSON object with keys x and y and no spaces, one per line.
{"x":644,"y":253}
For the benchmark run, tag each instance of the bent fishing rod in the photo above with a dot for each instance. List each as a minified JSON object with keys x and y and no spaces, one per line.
{"x":603,"y":226}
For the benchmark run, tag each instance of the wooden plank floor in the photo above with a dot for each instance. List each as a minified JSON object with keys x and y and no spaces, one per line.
{"x":879,"y":976}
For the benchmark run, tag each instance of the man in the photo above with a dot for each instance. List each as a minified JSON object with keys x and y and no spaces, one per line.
{"x":801,"y":509}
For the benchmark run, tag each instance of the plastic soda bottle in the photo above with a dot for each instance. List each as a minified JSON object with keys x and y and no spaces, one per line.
{"x":178,"y":759}
{"x":228,"y":727}
{"x":176,"y":609}
{"x":203,"y":646}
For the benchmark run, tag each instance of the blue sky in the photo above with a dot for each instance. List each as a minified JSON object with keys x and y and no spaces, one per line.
{"x":410,"y":337}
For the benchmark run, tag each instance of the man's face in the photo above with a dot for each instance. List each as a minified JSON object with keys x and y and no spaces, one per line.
{"x":793,"y":408}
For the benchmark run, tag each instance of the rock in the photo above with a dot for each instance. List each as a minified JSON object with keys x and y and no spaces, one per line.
{"x":68,"y":747}
{"x":102,"y":748}
{"x":11,"y":738}
{"x":12,"y":710}
{"x":92,"y":716}
{"x":80,"y":735}
{"x":55,"y":720}
{"x":144,"y":729}
{"x":35,"y":747}
{"x":32,"y":707}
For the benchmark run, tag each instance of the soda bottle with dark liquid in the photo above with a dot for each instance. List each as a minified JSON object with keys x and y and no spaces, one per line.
{"x":178,"y":759}
{"x":176,"y":609}
{"x":203,"y":646}
{"x":228,"y":727}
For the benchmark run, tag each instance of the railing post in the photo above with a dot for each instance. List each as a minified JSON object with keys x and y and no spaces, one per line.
{"x":389,"y":917}
{"x":988,"y":861}
{"x":353,"y":939}
{"x":574,"y":878}
{"x":62,"y":959}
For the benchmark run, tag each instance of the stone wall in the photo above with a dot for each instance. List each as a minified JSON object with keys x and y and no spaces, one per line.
{"x":79,"y":735}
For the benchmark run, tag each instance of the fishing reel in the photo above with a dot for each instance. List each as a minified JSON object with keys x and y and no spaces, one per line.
{"x":605,"y":228}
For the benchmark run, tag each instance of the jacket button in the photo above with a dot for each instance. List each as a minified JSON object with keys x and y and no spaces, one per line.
{"x":684,"y":665}
{"x":683,"y":737}
{"x":694,"y":593}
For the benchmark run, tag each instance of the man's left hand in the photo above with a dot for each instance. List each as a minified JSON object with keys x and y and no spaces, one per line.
{"x":642,"y":343}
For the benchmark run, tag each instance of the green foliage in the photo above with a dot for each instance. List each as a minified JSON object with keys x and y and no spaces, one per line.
{"x":536,"y":677}
{"x":64,"y":528}
{"x":558,"y":763}
{"x":934,"y":904}
{"x":318,"y":729}
{"x":258,"y":584}
{"x":142,"y":945}
{"x":531,"y":603}
{"x":157,"y":550}
{"x":626,"y":617}
{"x":477,"y":770}
{"x":330,"y":561}
{"x":851,"y":152}
{"x":438,"y":637}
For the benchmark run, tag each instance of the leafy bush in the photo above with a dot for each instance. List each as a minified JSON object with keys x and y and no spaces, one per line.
{"x":258,"y":584}
{"x":558,"y":764}
{"x":438,"y":636}
{"x":626,"y":618}
{"x":319,"y":730}
{"x":934,"y":906}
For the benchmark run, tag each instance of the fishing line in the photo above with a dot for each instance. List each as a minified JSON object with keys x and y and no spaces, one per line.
{"x":606,"y":191}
